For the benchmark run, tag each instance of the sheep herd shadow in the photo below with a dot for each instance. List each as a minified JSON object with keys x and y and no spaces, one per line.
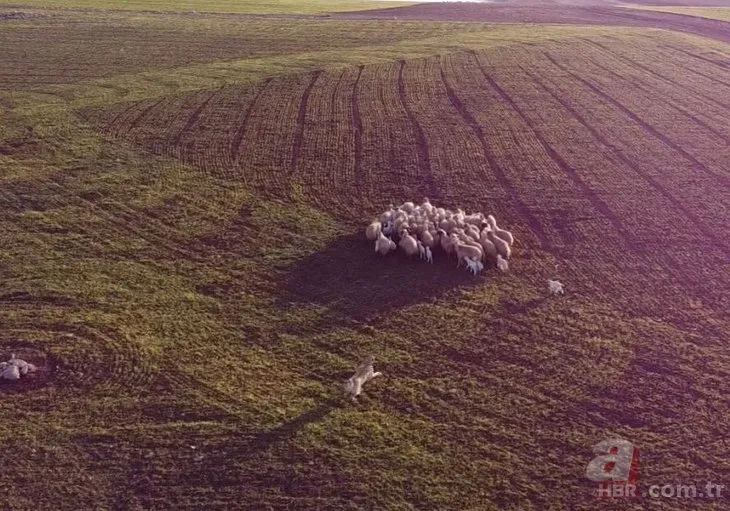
{"x":348,"y":277}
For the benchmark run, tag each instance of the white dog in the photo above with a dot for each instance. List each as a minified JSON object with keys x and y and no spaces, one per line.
{"x":363,"y":374}
{"x":555,"y":287}
{"x":473,"y":265}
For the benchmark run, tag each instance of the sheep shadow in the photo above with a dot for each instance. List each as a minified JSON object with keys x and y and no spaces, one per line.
{"x":349,"y":278}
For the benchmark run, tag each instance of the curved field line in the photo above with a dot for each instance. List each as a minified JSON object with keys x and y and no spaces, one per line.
{"x":646,"y":90}
{"x":241,"y":131}
{"x":357,"y":124}
{"x":652,"y":72}
{"x":122,"y":226}
{"x":114,"y":120}
{"x":499,"y":173}
{"x":572,"y":174}
{"x":424,"y":161}
{"x":721,"y":65}
{"x":135,"y":122}
{"x":112,"y":363}
{"x":296,"y":150}
{"x":708,"y":77}
{"x":622,"y":157}
{"x":651,"y":130}
{"x":193,"y":118}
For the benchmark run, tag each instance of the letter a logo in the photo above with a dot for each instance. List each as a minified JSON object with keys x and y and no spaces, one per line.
{"x":616,"y":460}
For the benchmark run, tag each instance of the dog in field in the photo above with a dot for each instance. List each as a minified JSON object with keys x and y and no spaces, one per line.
{"x":363,"y":374}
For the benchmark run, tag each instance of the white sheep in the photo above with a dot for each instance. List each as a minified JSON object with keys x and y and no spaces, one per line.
{"x":373,"y":230}
{"x":464,"y":251}
{"x":490,"y":251}
{"x":472,"y":232}
{"x":387,"y":216}
{"x":501,"y":233}
{"x":501,"y":245}
{"x":363,"y":374}
{"x":467,"y":240}
{"x":408,"y":244}
{"x":446,"y":243}
{"x":384,"y":245}
{"x":555,"y":287}
{"x":502,"y":264}
{"x":427,"y":238}
{"x":408,"y":207}
{"x":475,"y":219}
{"x":429,"y":255}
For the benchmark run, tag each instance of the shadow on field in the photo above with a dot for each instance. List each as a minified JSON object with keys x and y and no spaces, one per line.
{"x":289,"y":429}
{"x":350,"y":278}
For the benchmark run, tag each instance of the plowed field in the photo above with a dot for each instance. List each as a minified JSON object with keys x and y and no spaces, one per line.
{"x":182,"y":253}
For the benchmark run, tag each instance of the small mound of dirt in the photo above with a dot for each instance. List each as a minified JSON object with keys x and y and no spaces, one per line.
{"x":45,"y":367}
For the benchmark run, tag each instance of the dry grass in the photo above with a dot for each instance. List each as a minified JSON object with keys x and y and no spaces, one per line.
{"x":714,"y":13}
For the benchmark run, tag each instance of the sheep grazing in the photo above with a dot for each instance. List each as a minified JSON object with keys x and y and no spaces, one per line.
{"x":427,"y":238}
{"x":408,"y":244}
{"x":502,"y":264}
{"x":464,"y":251}
{"x":418,"y":229}
{"x":384,"y":245}
{"x":472,"y":232}
{"x":502,"y":246}
{"x":408,"y":207}
{"x":555,"y":287}
{"x":501,"y":233}
{"x":373,"y":230}
{"x":363,"y":374}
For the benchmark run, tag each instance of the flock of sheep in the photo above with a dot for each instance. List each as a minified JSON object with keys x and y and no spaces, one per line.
{"x":14,"y":368}
{"x":476,"y":241}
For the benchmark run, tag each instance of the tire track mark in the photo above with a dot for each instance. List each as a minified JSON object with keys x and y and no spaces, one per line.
{"x":597,"y":203}
{"x":623,"y":158}
{"x":123,"y":111}
{"x":689,"y":114}
{"x":711,"y":78}
{"x":721,"y":65}
{"x":659,"y":76}
{"x":301,"y":119}
{"x":123,"y":223}
{"x":135,"y":122}
{"x":641,"y":122}
{"x":235,"y":147}
{"x":193,"y":118}
{"x":424,"y":161}
{"x":505,"y":183}
{"x":357,"y":125}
